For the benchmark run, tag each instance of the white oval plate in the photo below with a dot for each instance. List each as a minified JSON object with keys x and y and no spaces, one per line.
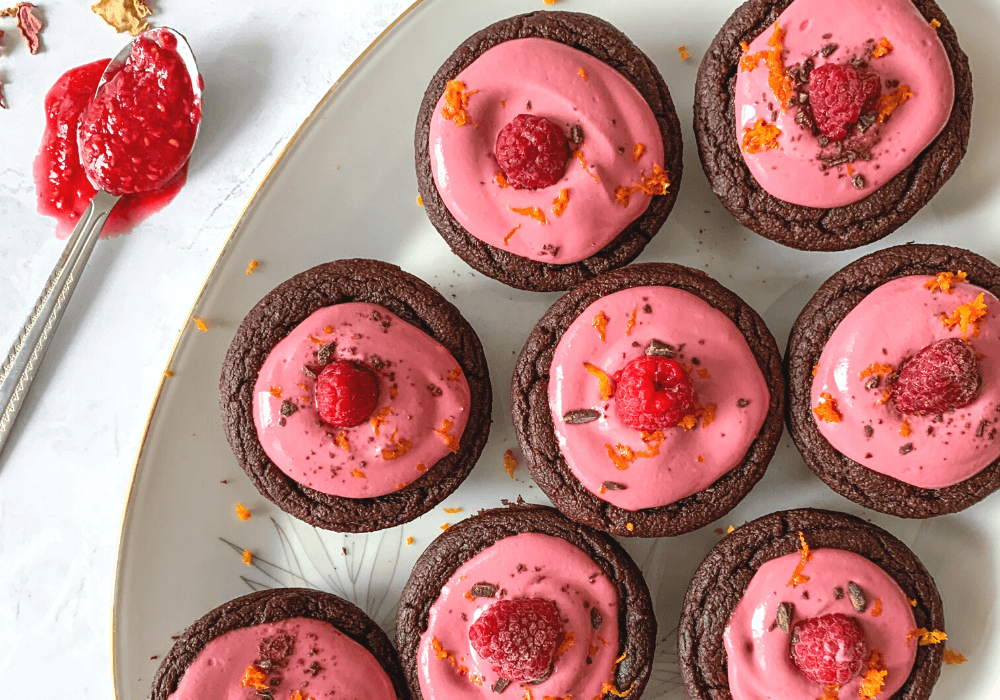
{"x":345,"y":187}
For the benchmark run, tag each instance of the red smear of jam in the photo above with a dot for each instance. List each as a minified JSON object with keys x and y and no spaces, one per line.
{"x":62,"y":187}
{"x":138,"y":132}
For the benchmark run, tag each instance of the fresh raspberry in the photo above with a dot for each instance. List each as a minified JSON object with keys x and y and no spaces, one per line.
{"x":940,"y":378}
{"x":653,"y":392}
{"x":532,"y":152}
{"x":829,"y":649}
{"x":838,"y":94}
{"x":346,"y":393}
{"x":518,"y":637}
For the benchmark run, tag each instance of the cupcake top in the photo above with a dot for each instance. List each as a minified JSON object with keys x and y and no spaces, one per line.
{"x":835,"y":99}
{"x":356,"y":402}
{"x":799,"y":605}
{"x":908,"y":383}
{"x":654,"y":395}
{"x":296,"y":658}
{"x":545,"y":151}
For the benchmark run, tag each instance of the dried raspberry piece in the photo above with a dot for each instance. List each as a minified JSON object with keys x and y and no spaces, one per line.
{"x":839,"y":93}
{"x":653,"y":392}
{"x":941,"y":377}
{"x":532,"y":152}
{"x":829,"y":649}
{"x":519,"y":638}
{"x":346,"y":393}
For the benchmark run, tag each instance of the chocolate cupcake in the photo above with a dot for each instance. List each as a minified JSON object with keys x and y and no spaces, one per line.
{"x":648,"y":401}
{"x":548,"y":150}
{"x":524,"y":601}
{"x":894,"y":381}
{"x":826,"y":126}
{"x":774,"y":595}
{"x":355,"y":397}
{"x":291,"y":643}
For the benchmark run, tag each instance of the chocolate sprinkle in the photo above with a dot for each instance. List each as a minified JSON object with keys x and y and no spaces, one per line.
{"x":982,"y":427}
{"x":784,"y":617}
{"x":827,"y":50}
{"x":581,"y":416}
{"x":869,"y":431}
{"x":858,"y":181}
{"x":500,"y":685}
{"x":614,"y":486}
{"x":647,"y":309}
{"x":288,"y":408}
{"x":857,"y":596}
{"x":308,"y":372}
{"x":484,"y":590}
{"x":323,"y":356}
{"x":838,"y":593}
{"x":906,"y":449}
{"x":596,"y":619}
{"x":742,"y":403}
{"x":576,"y":134}
{"x":658,"y":347}
{"x":872,"y":382}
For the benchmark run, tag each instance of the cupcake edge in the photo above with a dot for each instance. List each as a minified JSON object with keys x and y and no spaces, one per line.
{"x":804,"y":228}
{"x":271,"y":606}
{"x":284,"y":307}
{"x":606,"y":43}
{"x":529,"y":406}
{"x":828,"y":306}
{"x":464,"y":540}
{"x":728,"y":568}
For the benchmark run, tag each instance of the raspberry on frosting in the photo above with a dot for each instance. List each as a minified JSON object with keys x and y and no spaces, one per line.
{"x":519,"y":638}
{"x":532,"y":151}
{"x":839,"y":94}
{"x":346,"y":393}
{"x":653,"y":392}
{"x":942,"y":377}
{"x":829,"y":649}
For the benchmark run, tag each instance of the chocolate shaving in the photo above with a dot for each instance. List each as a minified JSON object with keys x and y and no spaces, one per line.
{"x":281,"y":422}
{"x":872,"y":382}
{"x":866,"y":120}
{"x":434,"y":389}
{"x":614,"y":486}
{"x":647,"y":309}
{"x":314,"y":668}
{"x":982,"y":427}
{"x":658,"y":347}
{"x":542,"y":679}
{"x":869,"y":431}
{"x":288,"y":408}
{"x":906,"y":449}
{"x":527,"y":105}
{"x":323,"y":356}
{"x":596,"y":619}
{"x":838,"y":593}
{"x":784,"y":617}
{"x":308,"y":372}
{"x":858,"y":181}
{"x":581,"y":416}
{"x":742,"y":403}
{"x":576,"y":134}
{"x":857,"y":596}
{"x":484,"y":590}
{"x":500,"y":685}
{"x":828,"y":50}
{"x":824,"y":141}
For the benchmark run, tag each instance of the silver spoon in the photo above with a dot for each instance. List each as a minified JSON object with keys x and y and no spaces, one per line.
{"x":25,"y":355}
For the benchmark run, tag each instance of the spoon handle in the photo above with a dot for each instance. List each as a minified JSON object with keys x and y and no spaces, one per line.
{"x":25,"y":355}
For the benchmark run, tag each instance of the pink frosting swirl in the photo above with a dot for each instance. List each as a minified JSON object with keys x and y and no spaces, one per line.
{"x":723,"y":370}
{"x":891,"y":324}
{"x":918,"y":59}
{"x":529,"y":565}
{"x":547,"y":75}
{"x":424,"y":402}
{"x":758,"y":660}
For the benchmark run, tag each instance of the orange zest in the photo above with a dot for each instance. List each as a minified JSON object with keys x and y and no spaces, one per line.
{"x":630,"y":323}
{"x":610,"y":689}
{"x":200,"y":324}
{"x":904,"y":429}
{"x":340,"y":440}
{"x":275,"y":391}
{"x":708,"y":417}
{"x":567,"y":641}
{"x":242,"y":512}
{"x":251,"y":266}
{"x":890,"y":101}
{"x":652,"y":441}
{"x":409,"y":541}
{"x":620,"y":461}
{"x":533,"y":212}
{"x":953,"y":658}
{"x":299,"y":694}
{"x":358,"y":474}
{"x":380,"y":418}
{"x":247,"y":557}
{"x":778,"y":79}
{"x":926,"y":637}
{"x":883,"y":48}
{"x":581,"y":72}
{"x":935,"y":23}
{"x":509,"y":463}
{"x":877,"y":607}
{"x":603,"y":381}
{"x":827,"y":409}
{"x":688,"y":422}
{"x":637,"y":152}
{"x":420,"y":201}
{"x":876,"y":368}
{"x":255,"y":678}
{"x":967,"y":316}
{"x":682,"y":50}
{"x":583,"y":164}
{"x":760,"y":137}
{"x":600,"y":322}
{"x":450,"y":440}
{"x":657,"y":183}
{"x":623,"y":195}
{"x":945,"y":281}
{"x":703,"y":374}
{"x":874,"y":680}
{"x":560,"y":202}
{"x":501,"y":180}
{"x":506,"y":239}
{"x":396,"y":448}
{"x":456,"y":103}
{"x":831,"y":692}
{"x":454,"y":374}
{"x":804,"y":556}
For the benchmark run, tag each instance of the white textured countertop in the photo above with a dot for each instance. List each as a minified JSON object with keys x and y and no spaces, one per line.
{"x":66,"y":468}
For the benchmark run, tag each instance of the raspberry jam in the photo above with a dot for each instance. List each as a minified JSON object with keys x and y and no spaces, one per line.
{"x":137,"y":133}
{"x":61,"y":184}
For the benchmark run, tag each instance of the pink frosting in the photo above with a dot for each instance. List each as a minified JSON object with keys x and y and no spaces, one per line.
{"x":347,"y":671}
{"x":891,"y":324}
{"x":688,"y":460}
{"x":614,"y":118}
{"x":529,"y":565}
{"x":760,"y":667}
{"x":313,"y":453}
{"x":918,"y":59}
